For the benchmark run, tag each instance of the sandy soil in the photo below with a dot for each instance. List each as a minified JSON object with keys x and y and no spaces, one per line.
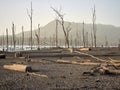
{"x":60,"y":76}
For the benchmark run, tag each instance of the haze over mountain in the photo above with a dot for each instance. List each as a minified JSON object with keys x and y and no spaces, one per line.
{"x":111,"y":33}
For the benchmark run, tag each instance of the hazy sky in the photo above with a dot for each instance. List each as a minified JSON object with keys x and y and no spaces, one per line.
{"x":107,"y":12}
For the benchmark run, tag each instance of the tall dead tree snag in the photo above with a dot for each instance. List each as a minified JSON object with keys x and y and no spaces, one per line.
{"x":13,"y":34}
{"x":83,"y":33}
{"x":94,"y":25}
{"x":56,"y":32}
{"x":91,"y":39}
{"x":38,"y":36}
{"x":86,"y":40}
{"x":3,"y":42}
{"x":68,"y":29}
{"x":30,"y":16}
{"x":7,"y":38}
{"x":61,"y":21}
{"x":106,"y":41}
{"x":22,"y":37}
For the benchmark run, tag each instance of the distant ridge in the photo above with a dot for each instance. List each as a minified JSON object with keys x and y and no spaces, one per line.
{"x":111,"y":32}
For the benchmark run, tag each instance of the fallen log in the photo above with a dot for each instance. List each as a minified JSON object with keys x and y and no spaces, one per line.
{"x":115,"y":72}
{"x":88,"y":63}
{"x":84,"y":49}
{"x":63,"y":61}
{"x":100,"y":60}
{"x":67,"y":50}
{"x":18,"y":67}
{"x":45,"y":76}
{"x":77,"y":63}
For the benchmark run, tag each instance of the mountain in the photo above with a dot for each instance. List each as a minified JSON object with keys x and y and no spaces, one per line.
{"x":111,"y":32}
{"x":108,"y":33}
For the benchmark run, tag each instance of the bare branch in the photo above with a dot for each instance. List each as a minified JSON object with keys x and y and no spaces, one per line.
{"x":28,"y":13}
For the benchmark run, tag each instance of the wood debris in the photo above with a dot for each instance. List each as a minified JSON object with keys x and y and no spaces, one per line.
{"x":36,"y":74}
{"x":103,"y":67}
{"x":18,"y":67}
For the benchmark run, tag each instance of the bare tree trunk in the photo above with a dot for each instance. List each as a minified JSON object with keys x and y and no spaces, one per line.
{"x":56,"y":33}
{"x":62,"y":24}
{"x":11,"y":42}
{"x":54,"y":40}
{"x":86,"y":39}
{"x":71,"y":41}
{"x":7,"y":38}
{"x":44,"y":40}
{"x":3,"y":42}
{"x":22,"y":37}
{"x":68,"y":29}
{"x":106,"y":41}
{"x":80,"y":38}
{"x":13,"y":34}
{"x":77,"y":42}
{"x":65,"y":33}
{"x":50,"y":41}
{"x":30,"y":16}
{"x":94,"y":26}
{"x":91,"y":39}
{"x":83,"y":32}
{"x":39,"y":40}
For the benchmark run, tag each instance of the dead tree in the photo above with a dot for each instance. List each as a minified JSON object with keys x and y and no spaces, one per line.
{"x":50,"y":41}
{"x":68,"y":29}
{"x":11,"y":41}
{"x":39,"y":36}
{"x":86,"y":39}
{"x":77,"y":36}
{"x":94,"y":25}
{"x":106,"y":41}
{"x":71,"y":41}
{"x":30,"y":16}
{"x":83,"y":33}
{"x":22,"y":37}
{"x":80,"y":36}
{"x":53,"y":40}
{"x":56,"y":33}
{"x":37,"y":39}
{"x":91,"y":39}
{"x":3,"y":42}
{"x":7,"y":38}
{"x":13,"y":34}
{"x":61,"y":21}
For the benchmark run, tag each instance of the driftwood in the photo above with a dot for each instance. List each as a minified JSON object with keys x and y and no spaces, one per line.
{"x":86,"y":63}
{"x":98,"y":59}
{"x":102,"y":68}
{"x":84,"y":49}
{"x":77,"y":63}
{"x":35,"y":74}
{"x":18,"y":67}
{"x":70,"y":50}
{"x":116,"y":72}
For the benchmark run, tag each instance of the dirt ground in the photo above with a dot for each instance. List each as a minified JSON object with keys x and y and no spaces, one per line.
{"x":60,"y":76}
